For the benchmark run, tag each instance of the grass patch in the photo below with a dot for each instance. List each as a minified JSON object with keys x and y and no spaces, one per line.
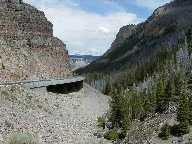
{"x":23,"y":138}
{"x":111,"y":135}
{"x":101,"y":122}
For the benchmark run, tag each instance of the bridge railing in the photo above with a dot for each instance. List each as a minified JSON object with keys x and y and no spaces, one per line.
{"x":44,"y":83}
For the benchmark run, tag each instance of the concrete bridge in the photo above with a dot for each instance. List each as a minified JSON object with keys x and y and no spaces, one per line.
{"x":66,"y":85}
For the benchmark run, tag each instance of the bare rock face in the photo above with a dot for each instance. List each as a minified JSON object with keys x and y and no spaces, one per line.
{"x":28,"y":49}
{"x":124,"y":33}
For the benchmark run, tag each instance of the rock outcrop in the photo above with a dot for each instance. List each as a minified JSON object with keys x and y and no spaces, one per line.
{"x":28,"y":49}
{"x":124,"y":33}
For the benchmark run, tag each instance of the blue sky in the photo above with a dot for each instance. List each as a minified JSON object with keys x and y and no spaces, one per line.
{"x":90,"y":26}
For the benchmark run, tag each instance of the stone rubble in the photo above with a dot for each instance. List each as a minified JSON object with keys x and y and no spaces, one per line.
{"x":52,"y":118}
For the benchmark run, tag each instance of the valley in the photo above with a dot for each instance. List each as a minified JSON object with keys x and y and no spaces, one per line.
{"x":147,"y":74}
{"x":138,"y":92}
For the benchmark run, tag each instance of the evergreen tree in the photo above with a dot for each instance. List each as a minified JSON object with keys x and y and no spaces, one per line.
{"x":165,"y":132}
{"x":161,"y":103}
{"x":153,"y":99}
{"x":178,"y":85}
{"x":169,"y":94}
{"x":189,"y":40}
{"x":149,"y":104}
{"x":136,"y":104}
{"x":126,"y":110}
{"x":190,"y":82}
{"x":116,"y":113}
{"x":183,"y":111}
{"x":190,"y":98}
{"x":108,"y":88}
{"x":190,"y":110}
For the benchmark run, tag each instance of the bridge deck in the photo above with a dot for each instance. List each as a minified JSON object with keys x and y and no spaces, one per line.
{"x":44,"y":83}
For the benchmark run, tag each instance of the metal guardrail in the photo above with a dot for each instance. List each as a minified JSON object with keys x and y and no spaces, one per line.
{"x":44,"y":83}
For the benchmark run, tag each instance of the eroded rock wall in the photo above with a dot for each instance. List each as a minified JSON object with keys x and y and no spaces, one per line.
{"x":28,"y":49}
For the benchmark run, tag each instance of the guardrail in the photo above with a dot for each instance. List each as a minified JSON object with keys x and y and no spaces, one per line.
{"x":44,"y":83}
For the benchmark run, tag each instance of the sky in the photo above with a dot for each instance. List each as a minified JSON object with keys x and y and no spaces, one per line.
{"x":88,"y":27}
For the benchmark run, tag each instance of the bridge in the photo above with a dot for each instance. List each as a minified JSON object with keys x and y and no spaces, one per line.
{"x":67,"y":85}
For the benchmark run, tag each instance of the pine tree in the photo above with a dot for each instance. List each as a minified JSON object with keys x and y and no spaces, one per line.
{"x":116,"y":114}
{"x":169,"y":94}
{"x":153,"y":99}
{"x":190,"y":110}
{"x":108,"y":88}
{"x":161,"y":97}
{"x":165,"y":132}
{"x":189,"y":40}
{"x":183,"y":111}
{"x":190,"y":82}
{"x":149,"y":104}
{"x":178,"y":85}
{"x":126,"y":110}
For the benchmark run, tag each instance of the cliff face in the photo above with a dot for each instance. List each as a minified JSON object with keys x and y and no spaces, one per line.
{"x":28,"y":49}
{"x":124,"y":33}
{"x":140,"y":44}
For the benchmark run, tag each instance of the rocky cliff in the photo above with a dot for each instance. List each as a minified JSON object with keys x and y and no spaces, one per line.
{"x":141,"y":44}
{"x":28,"y":49}
{"x":124,"y":33}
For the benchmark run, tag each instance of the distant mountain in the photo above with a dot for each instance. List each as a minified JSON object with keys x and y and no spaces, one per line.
{"x":79,"y":61}
{"x":137,"y":45}
{"x":87,"y":58}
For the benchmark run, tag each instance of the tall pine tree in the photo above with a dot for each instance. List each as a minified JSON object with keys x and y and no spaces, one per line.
{"x":183,"y":111}
{"x":161,"y":100}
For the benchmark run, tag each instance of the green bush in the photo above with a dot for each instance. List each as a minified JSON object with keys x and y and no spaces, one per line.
{"x":122,"y":135}
{"x":165,"y":132}
{"x":179,"y":130}
{"x":111,"y":135}
{"x":23,"y":138}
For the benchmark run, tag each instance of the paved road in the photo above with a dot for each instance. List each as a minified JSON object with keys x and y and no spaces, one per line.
{"x":44,"y":83}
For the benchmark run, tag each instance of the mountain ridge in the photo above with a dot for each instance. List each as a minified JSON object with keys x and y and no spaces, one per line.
{"x":162,"y":31}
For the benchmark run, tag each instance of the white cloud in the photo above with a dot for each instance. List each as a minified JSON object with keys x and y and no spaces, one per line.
{"x":104,"y":29}
{"x":82,"y":31}
{"x":151,"y":4}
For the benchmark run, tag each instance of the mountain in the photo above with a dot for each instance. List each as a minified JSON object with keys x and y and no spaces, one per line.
{"x":79,"y":61}
{"x":28,"y":49}
{"x":137,"y":45}
{"x":147,"y":72}
{"x":87,"y":58}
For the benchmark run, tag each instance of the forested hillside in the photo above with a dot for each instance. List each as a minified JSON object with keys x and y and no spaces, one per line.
{"x":149,"y":73}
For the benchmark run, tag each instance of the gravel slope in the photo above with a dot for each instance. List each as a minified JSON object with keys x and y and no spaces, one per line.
{"x":52,"y":118}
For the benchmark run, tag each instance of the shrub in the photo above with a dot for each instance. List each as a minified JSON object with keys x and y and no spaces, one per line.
{"x":23,"y":138}
{"x":178,"y":130}
{"x":111,"y":135}
{"x":122,"y":135}
{"x":165,"y":132}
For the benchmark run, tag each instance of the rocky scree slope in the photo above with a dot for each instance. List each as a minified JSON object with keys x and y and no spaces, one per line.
{"x":28,"y":49}
{"x":142,"y":43}
{"x":52,"y":118}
